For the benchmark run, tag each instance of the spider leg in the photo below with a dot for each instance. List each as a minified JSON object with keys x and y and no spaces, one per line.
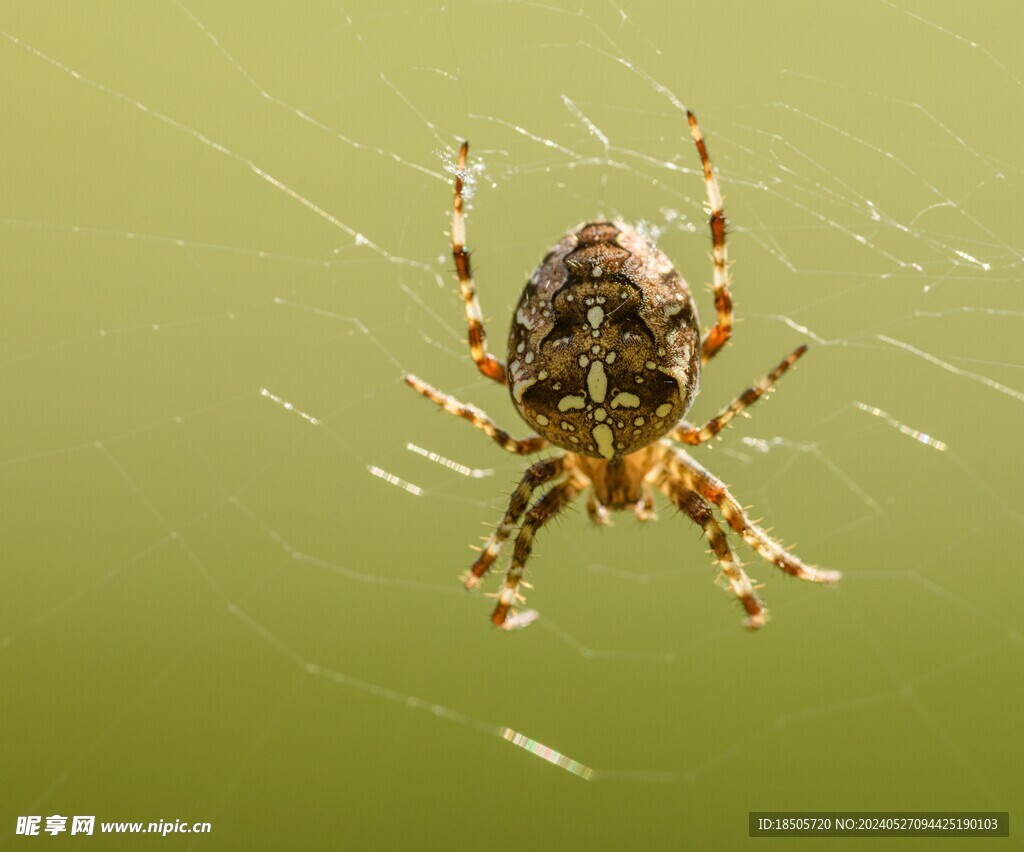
{"x":598,"y":512}
{"x":540,"y":513}
{"x":536,"y":476}
{"x":711,"y":488}
{"x":485,"y":362}
{"x":693,"y":435}
{"x":700,"y":512}
{"x":644,"y":508}
{"x":520,"y":446}
{"x":717,"y":337}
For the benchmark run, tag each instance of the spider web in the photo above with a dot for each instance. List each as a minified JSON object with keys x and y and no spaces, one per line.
{"x":232,"y":533}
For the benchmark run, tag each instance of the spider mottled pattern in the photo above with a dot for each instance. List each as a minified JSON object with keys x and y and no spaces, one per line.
{"x":605,"y":354}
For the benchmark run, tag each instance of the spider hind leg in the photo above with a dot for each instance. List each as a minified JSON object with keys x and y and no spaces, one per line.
{"x":485,"y":362}
{"x":720,"y":333}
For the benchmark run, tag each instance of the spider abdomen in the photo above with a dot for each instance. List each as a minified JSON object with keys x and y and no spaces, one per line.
{"x":604,"y":351}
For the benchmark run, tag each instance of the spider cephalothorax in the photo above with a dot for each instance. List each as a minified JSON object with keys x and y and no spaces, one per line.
{"x":605,"y":354}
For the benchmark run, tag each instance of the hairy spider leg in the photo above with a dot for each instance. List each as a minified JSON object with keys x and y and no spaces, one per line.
{"x":539,"y":514}
{"x":688,"y":434}
{"x":644,"y":509}
{"x":719,"y":335}
{"x":598,"y":512}
{"x":694,"y":477}
{"x":700,"y":512}
{"x":536,"y":475}
{"x":485,"y":362}
{"x":519,"y":446}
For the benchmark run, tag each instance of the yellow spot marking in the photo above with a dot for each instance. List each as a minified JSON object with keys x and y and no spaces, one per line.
{"x":519,"y":388}
{"x":542,"y":420}
{"x":663,"y":410}
{"x":600,"y":415}
{"x":567,"y":402}
{"x":597,"y":382}
{"x":626,"y":400}
{"x":610,"y":358}
{"x":595,"y":316}
{"x":638,"y":422}
{"x":603,"y":435}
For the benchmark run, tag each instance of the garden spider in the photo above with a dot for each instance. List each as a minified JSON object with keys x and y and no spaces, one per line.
{"x":606,"y":354}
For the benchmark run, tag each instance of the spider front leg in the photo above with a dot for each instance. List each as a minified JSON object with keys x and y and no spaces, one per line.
{"x":535,"y":476}
{"x":700,"y":512}
{"x":644,"y":509}
{"x":693,"y":435}
{"x":540,"y":513}
{"x":686,"y":470}
{"x":598,"y":512}
{"x":519,"y":446}
{"x":485,"y":362}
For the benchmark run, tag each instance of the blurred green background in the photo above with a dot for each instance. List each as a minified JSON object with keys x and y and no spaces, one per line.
{"x":211,"y":611}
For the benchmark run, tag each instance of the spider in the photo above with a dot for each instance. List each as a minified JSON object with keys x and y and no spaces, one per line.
{"x":605,"y":355}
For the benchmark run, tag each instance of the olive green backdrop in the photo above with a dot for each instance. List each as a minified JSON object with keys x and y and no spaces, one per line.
{"x":224,"y":239}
